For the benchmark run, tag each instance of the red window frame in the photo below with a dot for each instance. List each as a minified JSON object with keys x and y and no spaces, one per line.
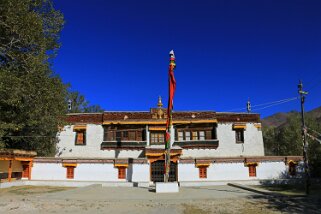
{"x":121,"y":172}
{"x":70,"y":172}
{"x":202,"y":172}
{"x":252,"y":170}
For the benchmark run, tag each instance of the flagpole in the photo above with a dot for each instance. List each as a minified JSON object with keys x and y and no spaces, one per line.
{"x":172,"y":87}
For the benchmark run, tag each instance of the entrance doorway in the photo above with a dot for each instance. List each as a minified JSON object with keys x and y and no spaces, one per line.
{"x":158,"y":170}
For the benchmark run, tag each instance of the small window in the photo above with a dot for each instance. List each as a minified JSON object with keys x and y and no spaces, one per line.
{"x":202,"y":172}
{"x":252,"y":170}
{"x":239,"y":135}
{"x":157,"y":138}
{"x":125,"y":134}
{"x":187,"y":136}
{"x":118,"y":136}
{"x":292,"y":169}
{"x":180,"y":136}
{"x":202,"y":135}
{"x":80,"y":138}
{"x":121,"y":173}
{"x":70,"y":172}
{"x":25,"y":171}
{"x":194,"y":135}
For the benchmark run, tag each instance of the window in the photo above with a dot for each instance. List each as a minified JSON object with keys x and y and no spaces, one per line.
{"x":194,"y":135}
{"x":25,"y":171}
{"x":70,"y":172}
{"x":180,"y":136}
{"x":121,"y":173}
{"x":187,"y":136}
{"x":292,"y":169}
{"x":118,"y":136}
{"x":202,"y":172}
{"x":157,"y":138}
{"x":239,"y":135}
{"x":252,"y":170}
{"x":202,"y":135}
{"x":80,"y":138}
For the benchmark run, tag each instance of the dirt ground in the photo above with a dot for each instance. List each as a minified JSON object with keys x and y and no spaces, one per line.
{"x":190,"y":200}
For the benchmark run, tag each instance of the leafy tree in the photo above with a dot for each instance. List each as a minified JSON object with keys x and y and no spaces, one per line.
{"x":81,"y":105}
{"x":32,"y":97}
{"x":287,"y":140}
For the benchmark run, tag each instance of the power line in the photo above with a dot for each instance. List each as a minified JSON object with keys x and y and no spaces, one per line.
{"x":278,"y":103}
{"x":270,"y":104}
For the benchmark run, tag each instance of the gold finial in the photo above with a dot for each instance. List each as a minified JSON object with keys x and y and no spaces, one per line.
{"x":160,"y":104}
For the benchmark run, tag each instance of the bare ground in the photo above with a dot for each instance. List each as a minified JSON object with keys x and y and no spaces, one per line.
{"x":193,"y":200}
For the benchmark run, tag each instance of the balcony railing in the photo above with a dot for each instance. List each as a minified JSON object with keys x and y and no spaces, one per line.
{"x":204,"y":144}
{"x":108,"y":145}
{"x":193,"y":144}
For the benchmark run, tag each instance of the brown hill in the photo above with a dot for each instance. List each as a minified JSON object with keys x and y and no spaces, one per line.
{"x":280,"y":119}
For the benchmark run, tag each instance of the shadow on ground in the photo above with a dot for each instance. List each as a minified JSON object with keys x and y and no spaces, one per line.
{"x":311,"y":204}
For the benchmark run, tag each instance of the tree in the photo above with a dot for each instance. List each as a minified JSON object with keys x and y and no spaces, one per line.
{"x":287,"y":140}
{"x":32,"y":96}
{"x":81,"y":105}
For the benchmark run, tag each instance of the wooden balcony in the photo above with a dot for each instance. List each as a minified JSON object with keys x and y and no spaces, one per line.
{"x":198,"y":144}
{"x":129,"y":145}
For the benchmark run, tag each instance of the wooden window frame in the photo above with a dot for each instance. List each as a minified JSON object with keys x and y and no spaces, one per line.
{"x":25,"y":171}
{"x":292,"y":169}
{"x":208,"y":134}
{"x":155,"y":138}
{"x":70,"y":172}
{"x":122,"y":172}
{"x":252,"y":170}
{"x":239,"y":139}
{"x":202,"y":172}
{"x":77,"y":142}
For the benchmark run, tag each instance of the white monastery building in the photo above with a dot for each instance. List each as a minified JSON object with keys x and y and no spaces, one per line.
{"x":128,"y":147}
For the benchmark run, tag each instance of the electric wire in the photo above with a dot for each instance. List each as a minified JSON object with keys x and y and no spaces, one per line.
{"x":268,"y":104}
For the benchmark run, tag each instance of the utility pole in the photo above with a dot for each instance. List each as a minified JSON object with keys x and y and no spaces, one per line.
{"x":304,"y":137}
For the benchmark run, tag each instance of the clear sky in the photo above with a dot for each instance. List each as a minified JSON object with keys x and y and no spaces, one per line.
{"x":116,"y":52}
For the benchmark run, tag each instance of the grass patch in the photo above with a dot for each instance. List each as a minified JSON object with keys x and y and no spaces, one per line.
{"x":191,"y":209}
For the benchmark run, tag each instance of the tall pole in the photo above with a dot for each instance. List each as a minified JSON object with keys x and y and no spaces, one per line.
{"x":172,"y":87}
{"x":304,"y":137}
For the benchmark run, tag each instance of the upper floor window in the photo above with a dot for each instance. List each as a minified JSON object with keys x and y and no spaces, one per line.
{"x":194,"y":135}
{"x":157,"y":137}
{"x":80,"y":134}
{"x":239,"y":135}
{"x":80,"y":138}
{"x":124,"y":134}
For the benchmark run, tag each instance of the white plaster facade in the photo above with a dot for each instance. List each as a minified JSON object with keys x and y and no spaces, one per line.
{"x":252,"y":146}
{"x":94,"y":137}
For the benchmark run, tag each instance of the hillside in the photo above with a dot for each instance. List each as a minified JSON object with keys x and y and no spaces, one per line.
{"x":279,"y":119}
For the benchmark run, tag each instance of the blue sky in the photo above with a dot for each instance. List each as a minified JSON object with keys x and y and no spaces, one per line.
{"x":116,"y":52}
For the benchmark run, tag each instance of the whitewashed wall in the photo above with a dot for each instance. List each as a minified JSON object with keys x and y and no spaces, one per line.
{"x":94,"y":137}
{"x":95,"y":172}
{"x":48,"y":171}
{"x":231,"y":171}
{"x":83,"y":172}
{"x":140,"y":173}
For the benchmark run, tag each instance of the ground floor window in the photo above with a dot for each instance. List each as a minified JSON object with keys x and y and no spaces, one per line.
{"x":202,"y":172}
{"x":292,"y":169}
{"x":121,"y":172}
{"x":70,"y":172}
{"x":252,"y":170}
{"x":25,"y":171}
